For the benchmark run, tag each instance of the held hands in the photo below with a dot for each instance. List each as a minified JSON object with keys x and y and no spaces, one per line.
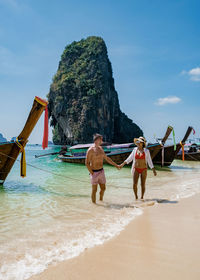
{"x":119,"y":166}
{"x":154,"y":172}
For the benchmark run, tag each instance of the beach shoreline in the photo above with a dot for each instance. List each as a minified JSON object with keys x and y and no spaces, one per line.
{"x":162,"y":243}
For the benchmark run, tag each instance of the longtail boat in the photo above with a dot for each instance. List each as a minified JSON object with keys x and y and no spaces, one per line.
{"x":118,"y":156}
{"x":161,"y":143}
{"x":9,"y":151}
{"x":81,"y":149}
{"x":192,"y":153}
{"x":167,"y":154}
{"x":117,"y":152}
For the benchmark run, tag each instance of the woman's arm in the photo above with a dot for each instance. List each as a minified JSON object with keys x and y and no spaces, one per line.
{"x":154,"y":171}
{"x":128,"y":160}
{"x":150,"y":163}
{"x":122,"y":164}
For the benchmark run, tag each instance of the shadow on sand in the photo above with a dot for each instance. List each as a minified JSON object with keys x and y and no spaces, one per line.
{"x":162,"y":200}
{"x":173,"y":168}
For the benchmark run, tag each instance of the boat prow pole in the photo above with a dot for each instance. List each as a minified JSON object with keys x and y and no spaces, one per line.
{"x":34,"y":115}
{"x":187,"y":134}
{"x":15,"y":148}
{"x":167,"y":133}
{"x":155,"y":149}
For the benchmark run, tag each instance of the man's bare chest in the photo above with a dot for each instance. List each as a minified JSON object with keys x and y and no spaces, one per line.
{"x":97,"y":154}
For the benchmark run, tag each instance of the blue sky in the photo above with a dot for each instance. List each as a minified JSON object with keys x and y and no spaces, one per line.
{"x":153,"y":47}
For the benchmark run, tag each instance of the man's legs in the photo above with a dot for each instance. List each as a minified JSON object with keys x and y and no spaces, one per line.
{"x":135,"y":182}
{"x":102,"y":190}
{"x":94,"y":191}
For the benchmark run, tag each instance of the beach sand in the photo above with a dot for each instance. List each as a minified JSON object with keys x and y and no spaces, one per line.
{"x":162,"y":243}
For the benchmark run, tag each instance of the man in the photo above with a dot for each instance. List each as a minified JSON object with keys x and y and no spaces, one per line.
{"x":94,"y":162}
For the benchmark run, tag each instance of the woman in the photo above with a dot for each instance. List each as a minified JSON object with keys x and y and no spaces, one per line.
{"x":140,"y":157}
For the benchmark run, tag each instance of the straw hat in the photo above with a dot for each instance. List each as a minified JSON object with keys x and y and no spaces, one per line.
{"x":140,"y":139}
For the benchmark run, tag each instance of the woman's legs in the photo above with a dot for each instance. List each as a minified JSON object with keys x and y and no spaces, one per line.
{"x":143,"y":181}
{"x":135,"y":182}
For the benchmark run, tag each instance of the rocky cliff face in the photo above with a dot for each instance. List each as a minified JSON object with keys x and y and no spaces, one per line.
{"x":83,"y":99}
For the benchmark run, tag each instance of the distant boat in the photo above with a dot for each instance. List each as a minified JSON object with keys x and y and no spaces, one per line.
{"x":77,"y":153}
{"x":81,"y":149}
{"x":118,"y":156}
{"x":192,"y":153}
{"x":9,"y":151}
{"x":166,"y":156}
{"x":2,"y":139}
{"x":117,"y":152}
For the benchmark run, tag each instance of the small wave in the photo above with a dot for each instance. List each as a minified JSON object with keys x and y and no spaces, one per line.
{"x":39,"y":260}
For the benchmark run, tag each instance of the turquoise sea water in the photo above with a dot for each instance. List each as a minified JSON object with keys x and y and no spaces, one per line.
{"x":46,"y":218}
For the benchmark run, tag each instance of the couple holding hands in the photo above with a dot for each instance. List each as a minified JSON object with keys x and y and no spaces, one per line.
{"x":140,"y":157}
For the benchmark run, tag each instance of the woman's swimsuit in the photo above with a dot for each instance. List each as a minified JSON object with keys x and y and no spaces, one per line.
{"x":142,"y":156}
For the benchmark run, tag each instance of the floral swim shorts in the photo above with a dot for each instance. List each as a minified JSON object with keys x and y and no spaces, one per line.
{"x":98,"y":177}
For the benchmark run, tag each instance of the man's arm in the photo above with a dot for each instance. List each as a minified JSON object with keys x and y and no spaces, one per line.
{"x":87,"y":161}
{"x":109,"y":160}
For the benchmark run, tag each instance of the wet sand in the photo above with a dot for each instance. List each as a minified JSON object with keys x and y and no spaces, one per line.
{"x":163,"y":243}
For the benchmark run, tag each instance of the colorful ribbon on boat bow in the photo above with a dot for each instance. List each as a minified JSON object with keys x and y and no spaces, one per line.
{"x":46,"y":126}
{"x":183,"y":152}
{"x":23,"y":159}
{"x":174,"y":140}
{"x":163,"y":155}
{"x":46,"y":130}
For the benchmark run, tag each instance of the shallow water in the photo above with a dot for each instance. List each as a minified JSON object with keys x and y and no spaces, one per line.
{"x":46,"y":218}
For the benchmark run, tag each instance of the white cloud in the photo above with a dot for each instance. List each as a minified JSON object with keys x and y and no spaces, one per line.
{"x":167,"y":100}
{"x":194,"y":74}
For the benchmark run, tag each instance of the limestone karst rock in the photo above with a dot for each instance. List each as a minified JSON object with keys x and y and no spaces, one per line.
{"x":83,"y":99}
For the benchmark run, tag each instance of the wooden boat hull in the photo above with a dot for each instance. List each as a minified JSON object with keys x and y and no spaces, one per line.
{"x":169,"y":155}
{"x":9,"y":151}
{"x":4,"y":149}
{"x":169,"y":152}
{"x":117,"y":157}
